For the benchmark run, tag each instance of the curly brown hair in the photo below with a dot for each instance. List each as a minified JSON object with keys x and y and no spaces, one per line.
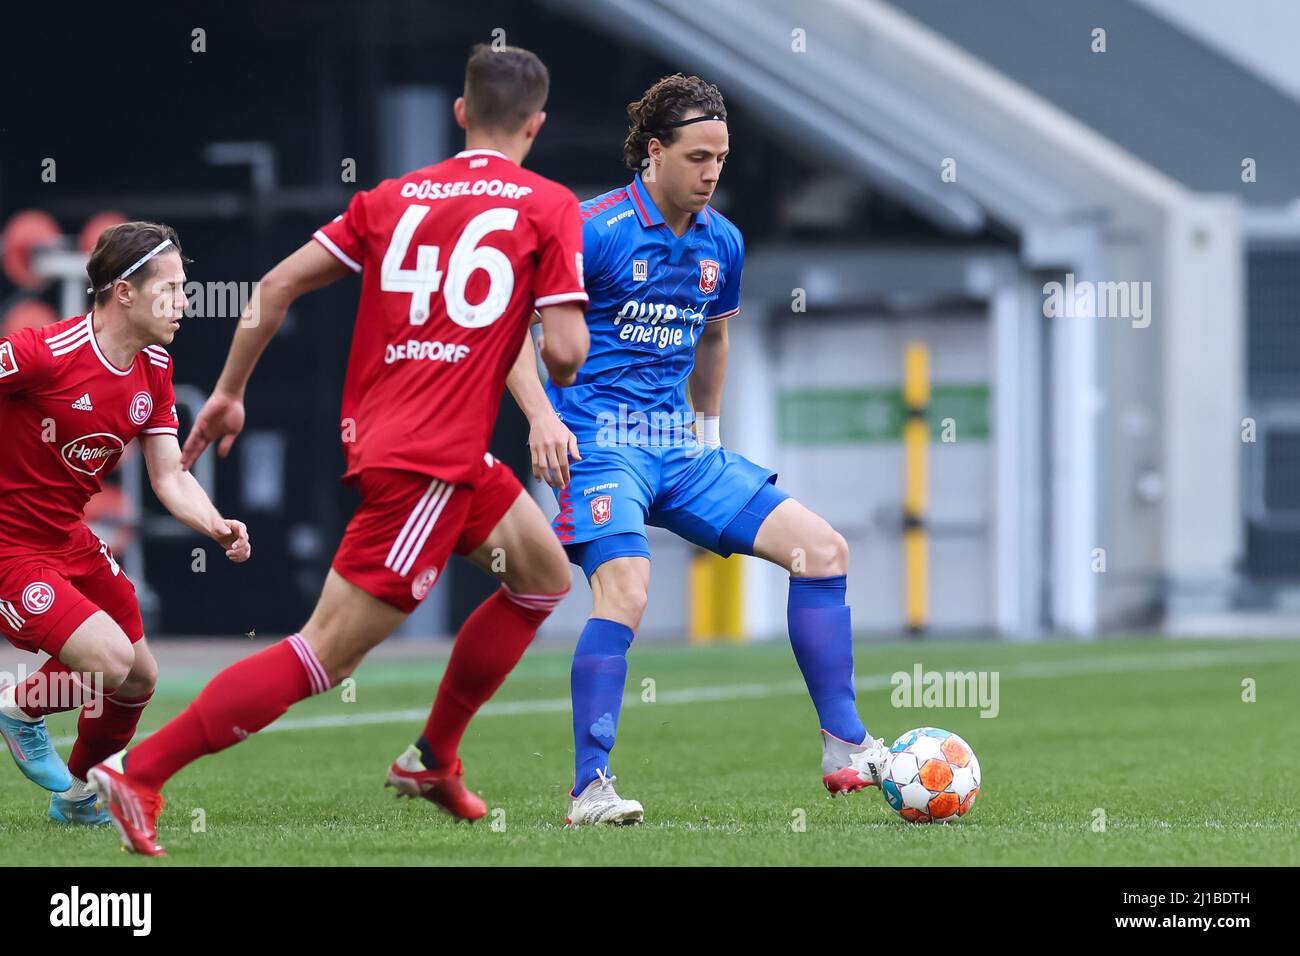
{"x":669,"y":100}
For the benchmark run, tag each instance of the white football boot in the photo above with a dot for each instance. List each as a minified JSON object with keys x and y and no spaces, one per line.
{"x":599,"y":804}
{"x":847,"y":768}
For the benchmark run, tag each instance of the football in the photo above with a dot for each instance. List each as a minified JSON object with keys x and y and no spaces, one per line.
{"x":933,"y":776}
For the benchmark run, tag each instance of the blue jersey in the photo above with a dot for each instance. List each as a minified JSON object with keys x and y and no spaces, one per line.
{"x":650,"y":295}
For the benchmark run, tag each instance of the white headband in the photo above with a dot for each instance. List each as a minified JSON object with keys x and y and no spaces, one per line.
{"x":138,"y":263}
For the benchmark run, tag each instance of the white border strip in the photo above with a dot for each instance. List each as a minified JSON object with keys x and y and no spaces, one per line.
{"x":399,"y":544}
{"x":560,"y":297}
{"x":440,"y":502}
{"x":339,"y":254}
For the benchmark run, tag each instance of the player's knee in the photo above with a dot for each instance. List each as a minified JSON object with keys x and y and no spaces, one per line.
{"x":111,"y":661}
{"x":629,"y":599}
{"x":554,"y":576}
{"x":143,"y":677}
{"x":841,"y":553}
{"x":549,"y":575}
{"x":620,"y":589}
{"x":828,"y":555}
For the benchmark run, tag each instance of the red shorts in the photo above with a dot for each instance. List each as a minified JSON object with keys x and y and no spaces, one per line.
{"x":45,"y":596}
{"x":408,"y":525}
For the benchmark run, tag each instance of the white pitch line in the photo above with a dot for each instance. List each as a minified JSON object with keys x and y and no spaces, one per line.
{"x":1130,"y":663}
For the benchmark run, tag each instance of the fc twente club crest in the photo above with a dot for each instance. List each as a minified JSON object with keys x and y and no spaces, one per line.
{"x":709,"y":272}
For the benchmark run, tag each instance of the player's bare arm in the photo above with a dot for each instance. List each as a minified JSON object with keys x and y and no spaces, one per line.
{"x":550,"y":442}
{"x":565,"y":341}
{"x":707,"y":379}
{"x":222,"y":418}
{"x":184,"y":497}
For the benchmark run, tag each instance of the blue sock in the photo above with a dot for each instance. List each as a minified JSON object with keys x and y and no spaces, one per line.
{"x":599,"y":673}
{"x":822,"y":638}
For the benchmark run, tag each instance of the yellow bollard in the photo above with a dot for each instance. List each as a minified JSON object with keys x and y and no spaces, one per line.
{"x":716,"y":599}
{"x":916,"y":486}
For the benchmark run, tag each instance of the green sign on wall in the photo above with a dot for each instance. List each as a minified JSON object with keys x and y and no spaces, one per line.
{"x":850,"y":416}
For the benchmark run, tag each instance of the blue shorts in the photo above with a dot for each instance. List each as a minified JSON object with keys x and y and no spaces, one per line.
{"x":714,"y":498}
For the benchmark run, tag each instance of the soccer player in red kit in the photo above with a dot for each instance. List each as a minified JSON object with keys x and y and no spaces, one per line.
{"x":73,"y":395}
{"x":454,"y":259}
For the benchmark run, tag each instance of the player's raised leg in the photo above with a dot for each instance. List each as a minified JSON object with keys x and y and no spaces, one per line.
{"x":619,"y":589}
{"x":241,"y":700}
{"x":393,"y":550}
{"x":821,"y":635}
{"x":522,"y":552}
{"x":105,"y":726}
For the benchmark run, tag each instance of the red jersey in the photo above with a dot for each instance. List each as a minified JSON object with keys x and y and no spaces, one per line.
{"x":66,"y":417}
{"x":454,"y":259}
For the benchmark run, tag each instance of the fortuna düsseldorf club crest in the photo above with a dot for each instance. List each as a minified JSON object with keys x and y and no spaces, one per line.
{"x":141,"y":407}
{"x":602,"y":508}
{"x":38,"y":597}
{"x":423,"y":583}
{"x":709,"y":272}
{"x":89,"y":454}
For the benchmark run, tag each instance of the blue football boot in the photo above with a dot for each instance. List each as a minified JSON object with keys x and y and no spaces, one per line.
{"x":35,"y":755}
{"x":86,"y":812}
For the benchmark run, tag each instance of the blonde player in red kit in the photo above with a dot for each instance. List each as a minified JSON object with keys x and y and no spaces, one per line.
{"x":73,"y":395}
{"x":454,"y":259}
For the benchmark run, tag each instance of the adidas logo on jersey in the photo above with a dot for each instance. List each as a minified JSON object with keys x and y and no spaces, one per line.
{"x":83,"y":404}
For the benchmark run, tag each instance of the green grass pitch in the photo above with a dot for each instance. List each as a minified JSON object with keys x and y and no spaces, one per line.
{"x":1152,"y":733}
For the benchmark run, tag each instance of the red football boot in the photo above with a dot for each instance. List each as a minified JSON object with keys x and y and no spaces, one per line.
{"x":444,"y":787}
{"x":135,"y":808}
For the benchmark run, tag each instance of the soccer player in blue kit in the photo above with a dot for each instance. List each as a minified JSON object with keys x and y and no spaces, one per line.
{"x":663,"y":274}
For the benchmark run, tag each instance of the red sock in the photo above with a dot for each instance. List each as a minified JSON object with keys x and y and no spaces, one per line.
{"x":103,"y":730}
{"x":487,"y":649}
{"x":239,"y":701}
{"x":53,"y":688}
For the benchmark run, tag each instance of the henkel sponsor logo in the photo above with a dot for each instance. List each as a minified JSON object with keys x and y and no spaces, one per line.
{"x":415,"y":350}
{"x":426,"y":189}
{"x":89,"y":454}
